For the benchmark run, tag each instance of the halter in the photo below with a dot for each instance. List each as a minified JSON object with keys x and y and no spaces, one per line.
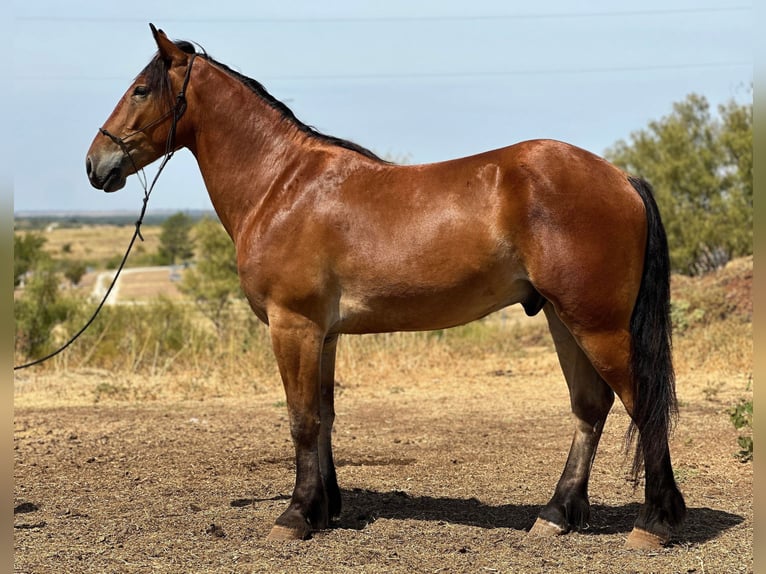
{"x":176,"y":112}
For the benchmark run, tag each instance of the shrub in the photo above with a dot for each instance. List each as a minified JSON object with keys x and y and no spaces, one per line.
{"x":39,"y":311}
{"x":73,"y":271}
{"x":139,"y":338}
{"x":741,"y":416}
{"x":27,"y":252}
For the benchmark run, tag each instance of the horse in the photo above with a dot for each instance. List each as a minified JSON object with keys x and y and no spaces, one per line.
{"x":331,"y":239}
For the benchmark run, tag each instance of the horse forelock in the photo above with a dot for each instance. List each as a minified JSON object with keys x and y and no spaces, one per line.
{"x":155,"y":74}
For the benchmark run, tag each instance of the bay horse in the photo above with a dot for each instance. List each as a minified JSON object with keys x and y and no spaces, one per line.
{"x":331,"y":240}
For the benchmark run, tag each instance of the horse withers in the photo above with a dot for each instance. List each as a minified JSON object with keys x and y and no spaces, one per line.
{"x":332,"y":240}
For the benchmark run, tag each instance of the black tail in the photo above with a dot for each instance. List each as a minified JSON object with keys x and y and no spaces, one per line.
{"x":655,"y":407}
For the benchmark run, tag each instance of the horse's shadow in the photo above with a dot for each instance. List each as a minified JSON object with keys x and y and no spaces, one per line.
{"x":362,"y":506}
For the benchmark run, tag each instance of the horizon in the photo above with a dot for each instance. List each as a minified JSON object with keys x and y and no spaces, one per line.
{"x":96,"y":213}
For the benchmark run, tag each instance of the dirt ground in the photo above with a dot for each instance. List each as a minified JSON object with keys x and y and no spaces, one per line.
{"x":441,"y":472}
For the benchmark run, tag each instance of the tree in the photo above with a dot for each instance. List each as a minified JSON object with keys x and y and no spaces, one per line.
{"x":175,"y":243}
{"x":74,"y":270}
{"x":700,"y":166}
{"x":27,"y":252}
{"x":213,"y":281}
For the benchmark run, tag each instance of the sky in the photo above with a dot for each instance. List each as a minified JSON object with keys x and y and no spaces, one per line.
{"x":415,"y":81}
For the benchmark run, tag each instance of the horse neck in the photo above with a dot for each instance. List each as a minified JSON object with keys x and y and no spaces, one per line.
{"x":241,"y":143}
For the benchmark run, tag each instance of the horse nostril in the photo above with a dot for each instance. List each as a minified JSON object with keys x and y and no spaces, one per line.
{"x":88,"y":166}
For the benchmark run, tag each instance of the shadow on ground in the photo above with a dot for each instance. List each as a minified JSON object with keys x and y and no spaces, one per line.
{"x":362,"y":507}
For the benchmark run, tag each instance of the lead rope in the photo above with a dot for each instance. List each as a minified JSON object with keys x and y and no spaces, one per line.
{"x":177,"y":111}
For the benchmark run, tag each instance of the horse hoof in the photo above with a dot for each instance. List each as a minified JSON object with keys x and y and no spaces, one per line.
{"x":640,"y":539}
{"x":286,"y":533}
{"x":545,"y":529}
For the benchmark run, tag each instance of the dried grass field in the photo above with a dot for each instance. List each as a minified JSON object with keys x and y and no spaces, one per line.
{"x":98,"y":242}
{"x":447,"y":445}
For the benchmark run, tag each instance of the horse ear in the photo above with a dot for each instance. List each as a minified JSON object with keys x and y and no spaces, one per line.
{"x":167,"y":49}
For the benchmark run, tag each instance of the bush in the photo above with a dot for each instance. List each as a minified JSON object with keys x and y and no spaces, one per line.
{"x":164,"y":336}
{"x":213,"y":282}
{"x":27,"y":251}
{"x":39,"y":311}
{"x":682,"y":316}
{"x":741,"y":416}
{"x":138,"y":338}
{"x":73,"y":271}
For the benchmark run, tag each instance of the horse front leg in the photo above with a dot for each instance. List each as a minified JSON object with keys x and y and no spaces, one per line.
{"x":297,"y":344}
{"x":327,"y":417}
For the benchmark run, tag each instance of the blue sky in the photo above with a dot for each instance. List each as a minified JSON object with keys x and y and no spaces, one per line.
{"x":425,"y":81}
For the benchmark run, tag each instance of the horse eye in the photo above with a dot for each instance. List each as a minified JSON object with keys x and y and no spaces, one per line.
{"x":141,"y":91}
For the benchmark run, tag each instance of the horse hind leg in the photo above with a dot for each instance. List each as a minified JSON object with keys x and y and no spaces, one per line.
{"x":664,"y":508}
{"x":591,"y":399}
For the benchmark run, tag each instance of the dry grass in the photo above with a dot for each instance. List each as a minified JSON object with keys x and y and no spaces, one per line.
{"x":395,"y":359}
{"x":98,"y":243}
{"x":715,"y":339}
{"x":145,"y":285}
{"x":713,"y":317}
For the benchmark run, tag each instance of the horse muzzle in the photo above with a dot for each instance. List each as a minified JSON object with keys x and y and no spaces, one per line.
{"x":106,"y":173}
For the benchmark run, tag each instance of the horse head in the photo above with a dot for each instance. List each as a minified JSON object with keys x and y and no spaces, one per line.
{"x":143,"y":125}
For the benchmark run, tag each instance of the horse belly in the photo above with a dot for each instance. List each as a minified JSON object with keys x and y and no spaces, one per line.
{"x":424,"y":307}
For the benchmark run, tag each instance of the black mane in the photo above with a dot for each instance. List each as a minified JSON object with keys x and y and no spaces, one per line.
{"x":156,"y":77}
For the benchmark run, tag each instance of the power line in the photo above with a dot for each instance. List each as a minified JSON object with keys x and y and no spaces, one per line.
{"x":389,"y":19}
{"x":500,"y":74}
{"x":445,"y":75}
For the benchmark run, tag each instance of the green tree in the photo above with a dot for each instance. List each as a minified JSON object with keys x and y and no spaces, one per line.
{"x":700,"y":166}
{"x":74,"y":270}
{"x":213,"y":282}
{"x":27,"y":252}
{"x":39,"y":310}
{"x":175,"y":241}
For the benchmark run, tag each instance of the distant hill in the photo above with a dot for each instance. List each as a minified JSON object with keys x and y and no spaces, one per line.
{"x":25,"y":220}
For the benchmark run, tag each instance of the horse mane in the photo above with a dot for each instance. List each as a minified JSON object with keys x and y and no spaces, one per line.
{"x":156,"y":77}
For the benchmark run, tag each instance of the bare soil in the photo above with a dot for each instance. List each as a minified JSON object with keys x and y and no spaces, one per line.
{"x":443,"y":468}
{"x":443,"y":476}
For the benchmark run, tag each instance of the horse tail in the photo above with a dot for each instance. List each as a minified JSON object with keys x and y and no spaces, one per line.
{"x":655,"y":407}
